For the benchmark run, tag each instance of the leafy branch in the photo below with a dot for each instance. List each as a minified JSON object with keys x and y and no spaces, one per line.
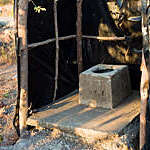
{"x":38,"y":9}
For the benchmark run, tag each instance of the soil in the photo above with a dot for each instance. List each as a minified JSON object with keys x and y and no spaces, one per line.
{"x":8,"y":79}
{"x":7,"y":104}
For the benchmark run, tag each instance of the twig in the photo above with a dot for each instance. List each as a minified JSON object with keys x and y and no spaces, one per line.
{"x":105,"y":38}
{"x":79,"y":35}
{"x":49,"y":41}
{"x":57,"y":50}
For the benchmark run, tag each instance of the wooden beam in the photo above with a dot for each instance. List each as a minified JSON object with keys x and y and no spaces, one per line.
{"x":16,"y":117}
{"x":105,"y":38}
{"x":57,"y":49}
{"x":22,"y":33}
{"x":79,"y":36}
{"x":33,"y":45}
{"x":144,"y":87}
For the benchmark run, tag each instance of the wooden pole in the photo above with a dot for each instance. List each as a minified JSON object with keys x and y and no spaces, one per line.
{"x":33,"y":45}
{"x":79,"y":35}
{"x":16,"y":16}
{"x":16,"y":117}
{"x":105,"y":38}
{"x":57,"y":49}
{"x":22,"y":33}
{"x":144,"y":87}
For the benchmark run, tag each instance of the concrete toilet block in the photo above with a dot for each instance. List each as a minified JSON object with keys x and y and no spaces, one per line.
{"x":104,"y":85}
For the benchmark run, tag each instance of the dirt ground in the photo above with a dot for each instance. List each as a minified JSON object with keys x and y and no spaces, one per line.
{"x":7,"y":103}
{"x":8,"y":78}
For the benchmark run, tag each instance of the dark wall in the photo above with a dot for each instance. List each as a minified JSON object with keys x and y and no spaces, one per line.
{"x":104,"y":19}
{"x":97,"y":20}
{"x":42,"y":58}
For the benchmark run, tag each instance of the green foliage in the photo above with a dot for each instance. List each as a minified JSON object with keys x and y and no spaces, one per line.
{"x":38,"y":9}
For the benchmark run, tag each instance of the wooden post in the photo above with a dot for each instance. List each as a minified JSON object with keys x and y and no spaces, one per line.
{"x":144,"y":97}
{"x":57,"y":49}
{"x":79,"y":35}
{"x":22,"y":33}
{"x":16,"y":117}
{"x":144,"y":87}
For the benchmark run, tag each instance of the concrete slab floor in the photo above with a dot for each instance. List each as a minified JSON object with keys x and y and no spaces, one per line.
{"x":68,"y":115}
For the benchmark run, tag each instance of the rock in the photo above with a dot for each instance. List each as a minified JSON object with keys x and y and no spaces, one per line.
{"x":22,"y":144}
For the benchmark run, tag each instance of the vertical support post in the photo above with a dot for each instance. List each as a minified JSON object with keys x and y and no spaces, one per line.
{"x":15,"y":121}
{"x":57,"y":49}
{"x":144,"y":87}
{"x":79,"y":35}
{"x":22,"y":33}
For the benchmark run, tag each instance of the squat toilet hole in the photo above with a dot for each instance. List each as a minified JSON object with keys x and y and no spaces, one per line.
{"x":103,"y":70}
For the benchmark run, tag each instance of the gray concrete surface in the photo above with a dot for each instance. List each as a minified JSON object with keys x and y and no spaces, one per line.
{"x":83,"y":121}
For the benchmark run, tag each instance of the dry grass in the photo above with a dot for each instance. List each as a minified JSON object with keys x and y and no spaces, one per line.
{"x":4,"y":2}
{"x":7,"y":48}
{"x":7,"y":54}
{"x":7,"y":10}
{"x":8,"y":85}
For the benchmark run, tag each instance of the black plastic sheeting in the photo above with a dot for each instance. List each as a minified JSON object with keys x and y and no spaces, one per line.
{"x":42,"y":58}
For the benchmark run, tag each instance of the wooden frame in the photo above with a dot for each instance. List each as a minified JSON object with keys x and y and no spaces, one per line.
{"x":21,"y":32}
{"x":145,"y":68}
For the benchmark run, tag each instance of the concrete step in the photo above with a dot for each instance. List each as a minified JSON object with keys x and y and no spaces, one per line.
{"x":91,"y":123}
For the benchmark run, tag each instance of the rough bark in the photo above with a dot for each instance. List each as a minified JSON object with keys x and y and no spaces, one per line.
{"x":144,"y":87}
{"x":144,"y":97}
{"x":16,"y":121}
{"x":22,"y":33}
{"x":79,"y":35}
{"x":57,"y":49}
{"x":33,"y":45}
